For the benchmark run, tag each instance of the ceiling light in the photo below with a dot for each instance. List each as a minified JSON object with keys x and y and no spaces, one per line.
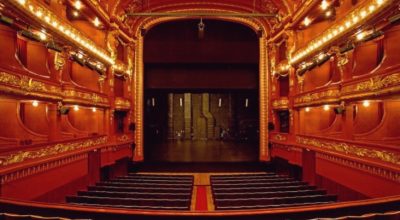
{"x":307,"y":21}
{"x":328,"y":13}
{"x":78,"y":5}
{"x":96,"y":22}
{"x":324,"y":5}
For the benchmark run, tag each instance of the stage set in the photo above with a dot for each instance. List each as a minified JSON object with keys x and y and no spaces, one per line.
{"x":181,"y":109}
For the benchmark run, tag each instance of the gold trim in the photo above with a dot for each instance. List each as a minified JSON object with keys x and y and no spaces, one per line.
{"x":351,"y":149}
{"x":122,"y":104}
{"x":312,"y":98}
{"x":281,"y":103}
{"x":24,"y":85}
{"x":50,"y":150}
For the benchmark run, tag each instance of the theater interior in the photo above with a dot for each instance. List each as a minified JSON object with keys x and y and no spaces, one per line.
{"x":208,"y":109}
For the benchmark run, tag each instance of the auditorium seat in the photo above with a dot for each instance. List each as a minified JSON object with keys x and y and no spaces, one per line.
{"x":264,"y":191}
{"x":139,"y":191}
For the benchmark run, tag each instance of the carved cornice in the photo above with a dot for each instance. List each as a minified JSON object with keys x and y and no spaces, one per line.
{"x":321,"y":97}
{"x":355,"y":150}
{"x":375,"y":170}
{"x":72,"y":95}
{"x":279,"y":137}
{"x":122,"y":104}
{"x":376,"y":85}
{"x":43,"y":167}
{"x":281,"y":103}
{"x":24,"y":85}
{"x":50,"y":150}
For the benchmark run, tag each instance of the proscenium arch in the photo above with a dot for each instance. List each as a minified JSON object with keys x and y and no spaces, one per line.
{"x":138,"y":84}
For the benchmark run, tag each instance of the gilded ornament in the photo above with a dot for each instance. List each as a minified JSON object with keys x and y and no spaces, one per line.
{"x":50,"y":150}
{"x":351,"y":149}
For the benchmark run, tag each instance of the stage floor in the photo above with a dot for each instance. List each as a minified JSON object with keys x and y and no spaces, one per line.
{"x":202,"y":151}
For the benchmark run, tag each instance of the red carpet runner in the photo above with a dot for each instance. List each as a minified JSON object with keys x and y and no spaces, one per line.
{"x":201,"y":199}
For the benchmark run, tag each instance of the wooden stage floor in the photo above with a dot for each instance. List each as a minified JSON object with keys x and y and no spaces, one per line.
{"x":202,"y":151}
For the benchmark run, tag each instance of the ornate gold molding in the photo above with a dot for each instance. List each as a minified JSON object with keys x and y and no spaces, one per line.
{"x":321,"y":97}
{"x":279,"y":137}
{"x":43,"y":167}
{"x":351,"y":149}
{"x":375,"y":170}
{"x":122,"y":104}
{"x":24,"y":85}
{"x":50,"y":150}
{"x":71,"y":95}
{"x":376,"y":85}
{"x":282,"y":103}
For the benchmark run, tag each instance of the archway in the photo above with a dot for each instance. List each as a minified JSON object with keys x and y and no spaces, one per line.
{"x":262,"y":88}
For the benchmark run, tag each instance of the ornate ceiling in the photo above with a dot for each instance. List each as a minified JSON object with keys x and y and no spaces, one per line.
{"x":282,"y":8}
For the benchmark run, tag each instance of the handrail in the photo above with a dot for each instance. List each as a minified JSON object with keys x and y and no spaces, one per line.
{"x":303,"y":212}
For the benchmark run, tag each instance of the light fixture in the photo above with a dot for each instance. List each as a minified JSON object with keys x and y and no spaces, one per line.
{"x":328,"y":13}
{"x":153,"y":102}
{"x":246,"y":103}
{"x":360,"y":36}
{"x":76,"y":107}
{"x":201,"y":26}
{"x":94,"y":109}
{"x":307,"y":21}
{"x":96,"y":22}
{"x":47,"y":17}
{"x":326,"y":107}
{"x":78,"y":5}
{"x":351,"y":20}
{"x":324,"y":5}
{"x":307,"y":109}
{"x":75,"y":13}
{"x":42,"y":35}
{"x":366,"y":103}
{"x":219,"y":102}
{"x":35,"y":103}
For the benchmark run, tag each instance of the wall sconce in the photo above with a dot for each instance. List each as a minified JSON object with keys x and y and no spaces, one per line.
{"x":180,"y":102}
{"x":219,"y":102}
{"x":246,"y":104}
{"x":366,"y":103}
{"x":153,"y":102}
{"x":94,"y":109}
{"x":326,"y":107}
{"x":76,"y":107}
{"x":35,"y":103}
{"x":307,"y":109}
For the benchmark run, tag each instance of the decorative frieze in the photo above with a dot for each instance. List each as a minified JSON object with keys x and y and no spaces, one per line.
{"x":88,"y":98}
{"x":279,"y":137}
{"x":39,"y":168}
{"x":351,"y":149}
{"x":376,"y":85}
{"x":122,"y":104}
{"x":375,"y":170}
{"x":327,"y":96}
{"x":282,"y":103}
{"x":24,"y":85}
{"x":50,"y":150}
